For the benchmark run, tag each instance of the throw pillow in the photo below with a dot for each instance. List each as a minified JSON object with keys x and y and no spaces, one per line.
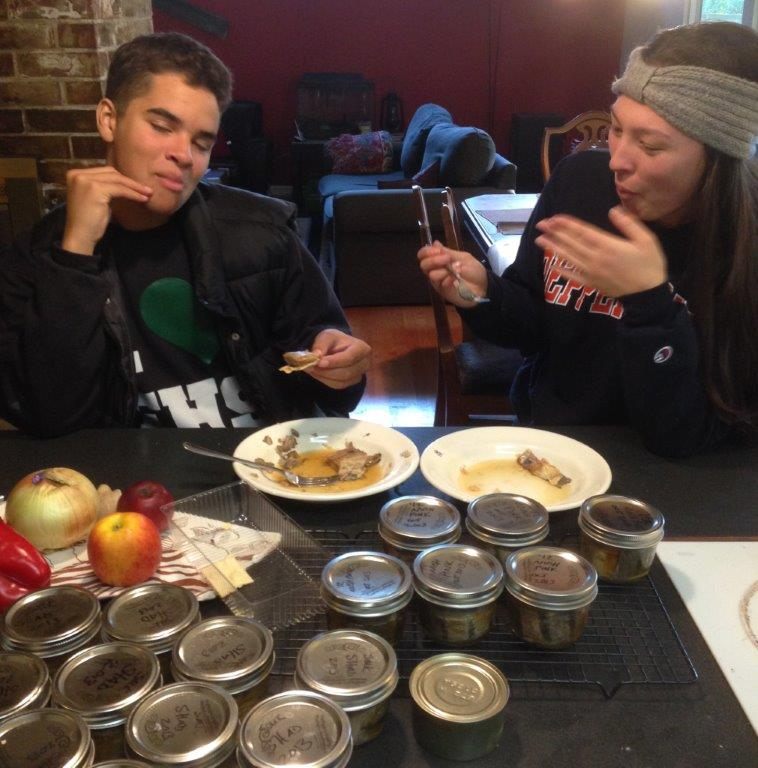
{"x":465,"y":155}
{"x":414,"y":142}
{"x":360,"y":153}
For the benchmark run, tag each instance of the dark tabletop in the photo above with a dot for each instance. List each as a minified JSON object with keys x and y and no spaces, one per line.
{"x":690,"y":725}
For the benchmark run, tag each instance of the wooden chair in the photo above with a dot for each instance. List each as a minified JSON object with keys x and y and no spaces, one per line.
{"x":473,"y":377}
{"x":20,"y":196}
{"x":586,"y":131}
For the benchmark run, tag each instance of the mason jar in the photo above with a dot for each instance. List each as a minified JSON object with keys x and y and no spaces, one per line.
{"x":367,"y":590}
{"x":458,"y":705}
{"x":151,"y":615}
{"x":619,"y":536}
{"x":549,"y":593}
{"x":184,"y":724}
{"x":301,"y":728}
{"x":102,"y":684}
{"x":123,"y":763}
{"x":52,"y":623}
{"x":234,"y":652}
{"x":354,"y":668}
{"x":502,"y":522}
{"x":24,"y":683}
{"x":458,"y":586}
{"x":409,"y":524}
{"x":40,"y":738}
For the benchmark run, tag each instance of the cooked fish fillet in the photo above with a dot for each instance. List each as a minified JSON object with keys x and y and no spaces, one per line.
{"x":542,"y":469}
{"x":351,"y":463}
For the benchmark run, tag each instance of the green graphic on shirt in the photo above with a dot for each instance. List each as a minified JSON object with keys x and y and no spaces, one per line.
{"x":171,"y":311}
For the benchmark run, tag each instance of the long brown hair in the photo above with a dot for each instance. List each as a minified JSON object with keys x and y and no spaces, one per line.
{"x":724,"y":294}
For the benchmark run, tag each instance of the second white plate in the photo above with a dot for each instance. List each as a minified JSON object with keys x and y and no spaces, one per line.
{"x":480,"y":460}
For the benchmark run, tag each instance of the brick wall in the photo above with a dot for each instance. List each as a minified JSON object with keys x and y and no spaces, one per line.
{"x":54,"y":57}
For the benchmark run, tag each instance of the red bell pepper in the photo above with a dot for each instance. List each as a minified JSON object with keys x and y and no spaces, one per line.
{"x":22,"y":568}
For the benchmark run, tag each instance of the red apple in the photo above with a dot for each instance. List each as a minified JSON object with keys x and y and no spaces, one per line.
{"x":124,"y":548}
{"x":147,"y":497}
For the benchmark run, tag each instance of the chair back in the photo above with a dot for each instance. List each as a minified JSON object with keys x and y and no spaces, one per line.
{"x":473,"y":376}
{"x":21,"y":203}
{"x":586,"y":131}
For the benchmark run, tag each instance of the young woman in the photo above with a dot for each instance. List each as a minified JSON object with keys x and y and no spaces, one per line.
{"x":634,"y":295}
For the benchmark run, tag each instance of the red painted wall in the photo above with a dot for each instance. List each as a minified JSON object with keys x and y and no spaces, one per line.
{"x":481,"y":59}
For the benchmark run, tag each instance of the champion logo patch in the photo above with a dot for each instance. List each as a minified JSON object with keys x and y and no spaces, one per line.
{"x":663,"y":354}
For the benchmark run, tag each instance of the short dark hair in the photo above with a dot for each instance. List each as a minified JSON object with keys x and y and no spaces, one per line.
{"x":135,"y":62}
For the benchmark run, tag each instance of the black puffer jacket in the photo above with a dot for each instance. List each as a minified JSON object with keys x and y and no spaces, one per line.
{"x":65,"y":356}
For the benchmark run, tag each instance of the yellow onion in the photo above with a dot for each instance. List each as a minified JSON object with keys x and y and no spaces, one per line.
{"x":52,"y":508}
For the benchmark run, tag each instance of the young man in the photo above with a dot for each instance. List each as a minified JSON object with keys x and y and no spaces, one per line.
{"x":152,"y":299}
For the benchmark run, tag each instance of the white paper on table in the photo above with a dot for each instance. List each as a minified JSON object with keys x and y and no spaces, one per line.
{"x":718,"y":582}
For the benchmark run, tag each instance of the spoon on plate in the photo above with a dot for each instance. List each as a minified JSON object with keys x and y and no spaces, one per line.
{"x":291,"y":477}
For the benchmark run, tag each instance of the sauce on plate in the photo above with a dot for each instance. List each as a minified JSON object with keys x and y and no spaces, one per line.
{"x":314,"y":464}
{"x":505,"y":475}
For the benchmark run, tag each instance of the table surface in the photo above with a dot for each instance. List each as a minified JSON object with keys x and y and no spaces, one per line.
{"x":688,"y":725}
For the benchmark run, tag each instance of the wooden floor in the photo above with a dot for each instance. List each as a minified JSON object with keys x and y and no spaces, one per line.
{"x":402,"y":379}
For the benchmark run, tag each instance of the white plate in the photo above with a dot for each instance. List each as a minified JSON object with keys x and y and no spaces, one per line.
{"x":443,"y":460}
{"x":399,"y":454}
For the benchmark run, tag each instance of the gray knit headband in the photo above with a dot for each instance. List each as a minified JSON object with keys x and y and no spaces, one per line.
{"x":718,"y":109}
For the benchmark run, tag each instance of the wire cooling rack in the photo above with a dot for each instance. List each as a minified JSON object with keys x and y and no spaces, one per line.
{"x":629,"y":637}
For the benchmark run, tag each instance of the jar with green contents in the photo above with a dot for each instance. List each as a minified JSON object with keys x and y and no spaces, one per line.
{"x":358,"y":670}
{"x":458,"y":705}
{"x":234,"y":652}
{"x":410,"y":524}
{"x":24,"y":683}
{"x":183,"y":725}
{"x":102,"y":684}
{"x":298,"y":728}
{"x":367,"y":590}
{"x":40,"y":738}
{"x":52,"y":623}
{"x":458,"y":586}
{"x":502,"y":522}
{"x":619,"y":536}
{"x":549,"y":593}
{"x":151,"y":615}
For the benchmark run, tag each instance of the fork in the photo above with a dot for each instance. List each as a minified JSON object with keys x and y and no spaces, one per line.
{"x":463,"y":288}
{"x":291,"y":477}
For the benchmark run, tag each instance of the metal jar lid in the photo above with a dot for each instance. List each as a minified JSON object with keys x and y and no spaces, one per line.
{"x":459,"y":688}
{"x":61,"y":736}
{"x":122,"y":763}
{"x":417,"y":522}
{"x":183,"y":724}
{"x":357,"y":669}
{"x":102,"y":683}
{"x":235,"y":652}
{"x":366,"y":584}
{"x":24,"y":683}
{"x":150,"y":614}
{"x":507,"y":520}
{"x":457,"y":576}
{"x":52,"y":621}
{"x":300,"y":728}
{"x":550,"y":577}
{"x":621,"y":521}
